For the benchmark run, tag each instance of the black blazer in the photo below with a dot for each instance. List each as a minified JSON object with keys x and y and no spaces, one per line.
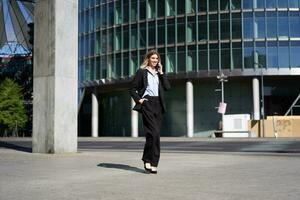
{"x":139,"y":85}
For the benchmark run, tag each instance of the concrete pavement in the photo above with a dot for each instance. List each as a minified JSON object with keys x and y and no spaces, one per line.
{"x":115,"y":175}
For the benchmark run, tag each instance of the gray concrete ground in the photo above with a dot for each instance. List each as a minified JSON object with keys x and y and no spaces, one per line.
{"x":118,"y":175}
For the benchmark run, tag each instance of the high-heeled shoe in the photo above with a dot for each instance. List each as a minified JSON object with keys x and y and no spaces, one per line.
{"x":147,"y":167}
{"x":153,"y":170}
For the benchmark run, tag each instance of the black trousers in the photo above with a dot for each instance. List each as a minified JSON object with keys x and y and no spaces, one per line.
{"x":152,"y":116}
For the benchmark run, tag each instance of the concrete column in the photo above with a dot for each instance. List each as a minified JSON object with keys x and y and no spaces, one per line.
{"x":189,"y":109}
{"x":55,"y":77}
{"x":95,"y":108}
{"x":134,"y":121}
{"x":255,"y":89}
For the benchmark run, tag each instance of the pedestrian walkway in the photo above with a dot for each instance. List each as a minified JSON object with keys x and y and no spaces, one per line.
{"x":119,"y":175}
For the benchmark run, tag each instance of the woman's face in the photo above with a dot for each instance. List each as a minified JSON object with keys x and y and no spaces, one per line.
{"x":153,"y":60}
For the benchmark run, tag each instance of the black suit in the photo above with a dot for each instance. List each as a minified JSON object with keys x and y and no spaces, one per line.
{"x":151,"y":112}
{"x":139,"y":85}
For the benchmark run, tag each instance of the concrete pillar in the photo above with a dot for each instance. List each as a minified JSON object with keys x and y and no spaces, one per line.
{"x":189,"y":109}
{"x":255,"y":89}
{"x":95,"y":108}
{"x":134,"y":121}
{"x":55,"y":77}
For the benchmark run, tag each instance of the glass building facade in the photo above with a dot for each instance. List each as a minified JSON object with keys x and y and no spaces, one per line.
{"x":197,"y":39}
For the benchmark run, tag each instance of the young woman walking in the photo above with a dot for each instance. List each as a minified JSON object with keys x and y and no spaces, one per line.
{"x":147,"y":90}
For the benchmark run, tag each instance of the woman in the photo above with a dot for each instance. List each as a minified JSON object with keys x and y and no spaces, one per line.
{"x":147,"y":90}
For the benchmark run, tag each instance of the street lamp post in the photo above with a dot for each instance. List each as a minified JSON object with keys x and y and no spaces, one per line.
{"x":222,"y":78}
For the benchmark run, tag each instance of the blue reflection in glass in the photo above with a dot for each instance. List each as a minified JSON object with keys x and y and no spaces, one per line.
{"x":261,"y":50}
{"x":247,"y":4}
{"x":283,"y":55}
{"x":294,"y":3}
{"x":270,"y":3}
{"x":248,"y":55}
{"x":272,"y":55}
{"x":248,"y":25}
{"x":271,"y":24}
{"x":295,"y":54}
{"x":259,"y":26}
{"x":259,"y":3}
{"x":283,"y":24}
{"x":282,"y":3}
{"x":294,"y":24}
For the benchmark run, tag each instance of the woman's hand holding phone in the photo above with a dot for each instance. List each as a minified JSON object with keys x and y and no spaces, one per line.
{"x":160,"y":68}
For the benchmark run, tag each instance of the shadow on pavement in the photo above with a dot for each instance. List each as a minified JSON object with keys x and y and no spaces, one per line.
{"x":121,"y":166}
{"x":15,"y":147}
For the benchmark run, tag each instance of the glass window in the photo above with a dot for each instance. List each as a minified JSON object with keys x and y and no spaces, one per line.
{"x":118,"y":13}
{"x":133,"y":10}
{"x":202,"y":5}
{"x":180,"y":30}
{"x":92,"y":19}
{"x":259,"y":3}
{"x":213,"y":27}
{"x":170,"y":7}
{"x":118,"y":39}
{"x":126,"y":11}
{"x":180,"y":7}
{"x":294,"y":24}
{"x":142,"y":35}
{"x":92,"y":62}
{"x":103,"y":42}
{"x":125,"y":37}
{"x":133,"y":63}
{"x":283,"y":24}
{"x":270,"y":3}
{"x":171,"y":31}
{"x":142,"y":9}
{"x":236,"y":26}
{"x":247,"y":4}
{"x":295,"y":54}
{"x":191,"y":29}
{"x":181,"y":59}
{"x":111,"y":14}
{"x":214,"y":56}
{"x":259,"y":26}
{"x":103,"y":65}
{"x":103,"y":16}
{"x":161,"y":32}
{"x":283,"y":3}
{"x":294,"y":3}
{"x":162,"y":57}
{"x":272,"y":55}
{"x":151,"y":34}
{"x":271,"y":24}
{"x":225,"y":56}
{"x":134,"y":36}
{"x":248,"y":25}
{"x":261,"y":51}
{"x":191,"y":58}
{"x":202,"y":26}
{"x":98,"y":15}
{"x":203,"y":57}
{"x":110,"y":40}
{"x":283,"y":55}
{"x":92,"y":44}
{"x":87,"y":70}
{"x":151,"y":9}
{"x":118,"y":65}
{"x":97,"y":66}
{"x":97,"y":43}
{"x":170,"y":60}
{"x":161,"y":9}
{"x":248,"y":55}
{"x":213,"y":5}
{"x":191,"y":6}
{"x":235,"y":4}
{"x":110,"y":67}
{"x":87,"y":21}
{"x":225,"y":26}
{"x":225,"y":4}
{"x":125,"y":64}
{"x":236,"y":55}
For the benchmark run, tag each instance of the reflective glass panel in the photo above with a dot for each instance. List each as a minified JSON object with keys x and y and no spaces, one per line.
{"x":272,"y":55}
{"x":202,"y":28}
{"x":283,"y":55}
{"x":294,"y":24}
{"x":247,"y":4}
{"x":191,"y":58}
{"x":235,"y":4}
{"x":295,"y":54}
{"x":161,"y":8}
{"x":261,"y":50}
{"x":161,"y":32}
{"x":259,"y":3}
{"x":171,"y":31}
{"x":142,"y":9}
{"x":283,"y":3}
{"x":125,"y":37}
{"x":248,"y":25}
{"x":202,"y":57}
{"x":236,"y":26}
{"x":180,"y":7}
{"x":181,"y":59}
{"x":213,"y":5}
{"x":225,"y":4}
{"x":133,"y":10}
{"x":202,"y":5}
{"x":271,"y":24}
{"x":283,"y":24}
{"x":236,"y":55}
{"x":191,"y":29}
{"x":134,"y":37}
{"x":142,"y":35}
{"x":225,"y":26}
{"x":259,"y":26}
{"x":213,"y":27}
{"x":270,"y":3}
{"x":225,"y":56}
{"x":151,"y":34}
{"x":214,"y":56}
{"x":248,"y":55}
{"x":294,"y":3}
{"x":180,"y":30}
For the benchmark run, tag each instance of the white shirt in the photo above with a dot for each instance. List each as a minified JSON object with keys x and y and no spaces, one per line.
{"x":152,"y":85}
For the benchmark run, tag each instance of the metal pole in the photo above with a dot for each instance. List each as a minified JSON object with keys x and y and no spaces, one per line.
{"x":262,"y":100}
